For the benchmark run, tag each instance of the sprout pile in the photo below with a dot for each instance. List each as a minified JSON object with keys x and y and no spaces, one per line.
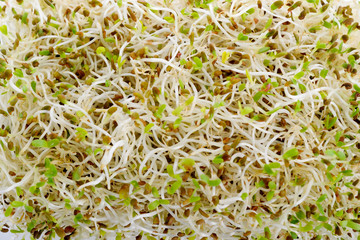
{"x":174,"y":119}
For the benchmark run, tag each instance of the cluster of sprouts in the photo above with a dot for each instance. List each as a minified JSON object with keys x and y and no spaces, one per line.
{"x":174,"y":119}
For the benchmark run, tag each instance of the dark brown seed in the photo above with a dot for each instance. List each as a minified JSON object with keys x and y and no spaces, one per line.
{"x":226,"y":157}
{"x":303,"y":14}
{"x":35,"y":63}
{"x":69,"y":229}
{"x":77,"y":9}
{"x":214,"y":236}
{"x":204,"y":214}
{"x":345,"y":38}
{"x":337,"y":230}
{"x":187,"y":213}
{"x":170,"y":220}
{"x":200,"y":222}
{"x":156,"y":91}
{"x":348,"y":22}
{"x":37,"y":234}
{"x":347,"y":85}
{"x":86,"y":13}
{"x":355,"y":182}
{"x":80,"y":74}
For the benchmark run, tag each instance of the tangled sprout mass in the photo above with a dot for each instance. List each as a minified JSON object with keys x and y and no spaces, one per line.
{"x":197,"y":119}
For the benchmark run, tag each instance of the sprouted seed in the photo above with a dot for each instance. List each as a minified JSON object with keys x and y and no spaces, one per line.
{"x":199,"y":119}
